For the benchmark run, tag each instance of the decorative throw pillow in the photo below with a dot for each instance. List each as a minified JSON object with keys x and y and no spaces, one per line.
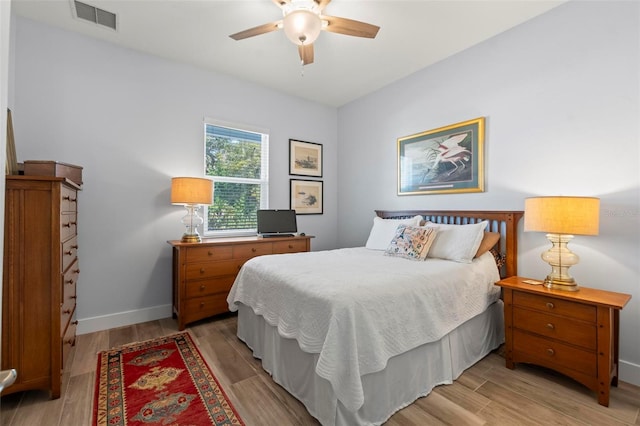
{"x":411,"y":242}
{"x":383,"y":231}
{"x":489,"y":239}
{"x":457,"y":242}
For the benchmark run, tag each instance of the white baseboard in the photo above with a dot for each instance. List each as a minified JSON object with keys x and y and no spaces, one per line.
{"x":120,"y":319}
{"x":629,"y":372}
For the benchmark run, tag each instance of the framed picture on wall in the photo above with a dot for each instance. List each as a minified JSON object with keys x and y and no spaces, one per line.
{"x":305,"y":158}
{"x":306,"y":196}
{"x":448,"y":159}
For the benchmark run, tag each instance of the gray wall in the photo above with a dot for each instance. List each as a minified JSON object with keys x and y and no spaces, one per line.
{"x":133,"y":121}
{"x":560,"y":95}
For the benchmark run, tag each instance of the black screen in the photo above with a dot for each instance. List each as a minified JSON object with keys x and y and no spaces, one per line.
{"x":277,"y":222}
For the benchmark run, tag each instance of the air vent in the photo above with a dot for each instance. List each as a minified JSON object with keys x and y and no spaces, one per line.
{"x":95,"y":15}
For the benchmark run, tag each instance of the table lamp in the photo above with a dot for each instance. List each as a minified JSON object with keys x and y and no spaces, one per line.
{"x":561,"y":218}
{"x":191,"y":192}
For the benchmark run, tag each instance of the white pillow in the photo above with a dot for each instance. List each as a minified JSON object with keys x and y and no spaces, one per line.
{"x":457,"y":242}
{"x":384,"y":230}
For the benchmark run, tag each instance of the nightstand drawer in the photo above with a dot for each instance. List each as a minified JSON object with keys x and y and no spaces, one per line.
{"x":204,"y":254}
{"x":552,"y":354}
{"x":575,"y":332}
{"x":196,"y":271}
{"x":210,"y":286}
{"x":247,"y":251}
{"x":555,"y":306}
{"x":293,"y":246}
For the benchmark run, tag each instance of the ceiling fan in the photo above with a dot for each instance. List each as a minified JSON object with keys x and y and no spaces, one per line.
{"x":302,"y":22}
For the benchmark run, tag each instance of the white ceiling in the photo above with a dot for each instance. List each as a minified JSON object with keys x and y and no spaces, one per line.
{"x":413,"y":35}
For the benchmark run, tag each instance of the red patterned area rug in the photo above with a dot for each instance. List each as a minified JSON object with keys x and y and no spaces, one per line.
{"x":163,"y":381}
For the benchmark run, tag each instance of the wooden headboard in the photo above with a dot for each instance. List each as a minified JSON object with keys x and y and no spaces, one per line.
{"x":504,"y":222}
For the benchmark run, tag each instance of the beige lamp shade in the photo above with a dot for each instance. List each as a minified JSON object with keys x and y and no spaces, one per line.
{"x":562,"y":215}
{"x":191,"y":190}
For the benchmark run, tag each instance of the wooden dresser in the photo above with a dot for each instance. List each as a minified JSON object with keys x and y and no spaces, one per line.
{"x":574,"y":333}
{"x":39,"y":280}
{"x":203,"y":273}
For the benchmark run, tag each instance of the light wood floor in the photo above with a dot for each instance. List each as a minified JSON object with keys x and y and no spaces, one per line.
{"x":486,"y":394}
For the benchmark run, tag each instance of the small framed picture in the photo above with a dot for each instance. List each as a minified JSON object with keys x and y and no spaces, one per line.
{"x":306,"y":196}
{"x":305,"y":158}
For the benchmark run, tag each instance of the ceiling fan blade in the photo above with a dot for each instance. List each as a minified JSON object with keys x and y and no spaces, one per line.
{"x":350,"y":27}
{"x":306,"y":53}
{"x":321,"y":4}
{"x":261,"y":29}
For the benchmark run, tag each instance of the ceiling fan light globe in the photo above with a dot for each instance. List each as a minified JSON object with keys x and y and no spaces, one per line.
{"x":302,"y":26}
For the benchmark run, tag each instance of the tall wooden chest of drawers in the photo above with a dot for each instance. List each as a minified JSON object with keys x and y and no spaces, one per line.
{"x":574,"y":333}
{"x":203,"y":273}
{"x":39,"y":280}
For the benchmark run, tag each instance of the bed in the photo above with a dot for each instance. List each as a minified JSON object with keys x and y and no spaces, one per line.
{"x":358,"y":333}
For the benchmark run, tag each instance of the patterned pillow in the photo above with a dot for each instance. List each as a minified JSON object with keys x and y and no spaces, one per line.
{"x":411,"y":242}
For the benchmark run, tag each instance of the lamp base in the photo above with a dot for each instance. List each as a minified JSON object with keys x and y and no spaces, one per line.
{"x":191,"y":238}
{"x":192,"y":221}
{"x":561,"y":259}
{"x":565,"y":285}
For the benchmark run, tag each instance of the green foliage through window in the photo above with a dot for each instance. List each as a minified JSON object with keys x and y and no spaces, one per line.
{"x":237,"y":162}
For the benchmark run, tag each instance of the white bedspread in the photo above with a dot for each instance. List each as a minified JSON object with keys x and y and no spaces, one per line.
{"x":357,"y":308}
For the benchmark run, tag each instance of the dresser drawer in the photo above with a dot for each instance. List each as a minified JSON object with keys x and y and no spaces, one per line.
{"x":68,"y":199}
{"x":203,"y":307}
{"x":197,"y":271}
{"x":68,"y":340}
{"x":68,"y":301}
{"x":572,"y":331}
{"x":247,"y":251}
{"x":69,"y":252}
{"x":68,"y":226}
{"x":207,"y":253}
{"x":551,"y":353}
{"x":292,"y":246}
{"x":66,"y":312}
{"x":555,"y":306}
{"x":211,"y":286}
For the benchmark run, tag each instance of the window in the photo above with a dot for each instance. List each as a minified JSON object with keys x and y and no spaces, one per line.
{"x":237,"y":160}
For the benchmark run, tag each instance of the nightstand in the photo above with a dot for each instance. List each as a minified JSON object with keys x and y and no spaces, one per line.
{"x":574,"y":333}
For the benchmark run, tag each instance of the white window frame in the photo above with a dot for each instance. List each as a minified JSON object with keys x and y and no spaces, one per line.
{"x":263,"y":181}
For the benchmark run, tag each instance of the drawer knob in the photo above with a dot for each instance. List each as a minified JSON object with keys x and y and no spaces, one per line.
{"x":74,"y":322}
{"x":69,"y":281}
{"x":66,"y":311}
{"x":70,"y":341}
{"x":73,"y":297}
{"x":202,"y":270}
{"x":66,"y":225}
{"x":68,"y":253}
{"x":209,"y":253}
{"x":253,"y":249}
{"x":202,"y":304}
{"x":550,"y":305}
{"x":75,"y":247}
{"x":202,"y":287}
{"x":550,"y":326}
{"x":551,"y":352}
{"x":290,"y":246}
